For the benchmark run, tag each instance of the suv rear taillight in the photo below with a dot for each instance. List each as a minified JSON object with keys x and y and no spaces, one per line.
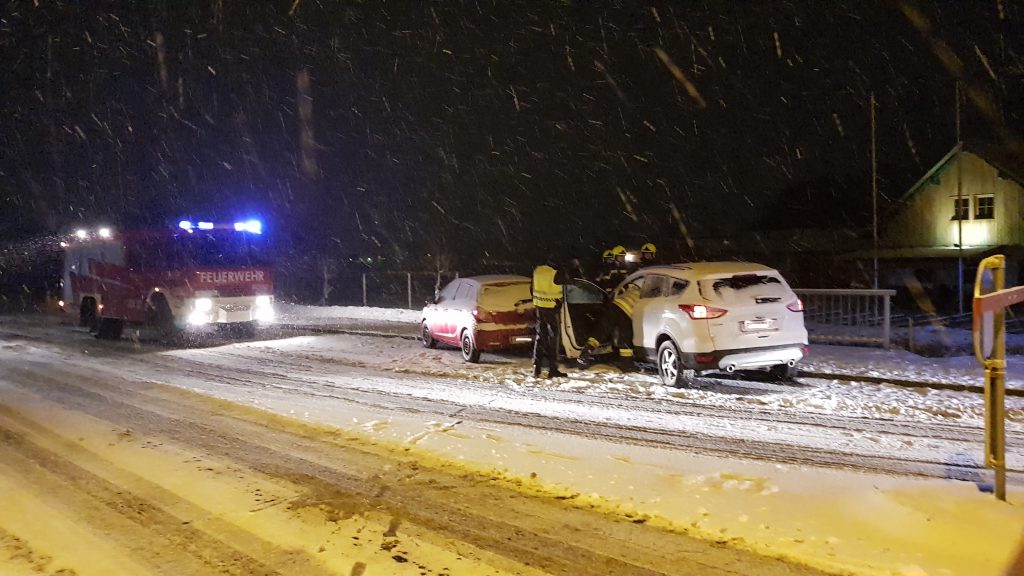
{"x":796,"y":306}
{"x":482,"y":315}
{"x":702,"y":312}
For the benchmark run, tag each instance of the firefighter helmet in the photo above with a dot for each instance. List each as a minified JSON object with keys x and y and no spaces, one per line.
{"x":607,"y":255}
{"x":649,"y":248}
{"x":619,"y":251}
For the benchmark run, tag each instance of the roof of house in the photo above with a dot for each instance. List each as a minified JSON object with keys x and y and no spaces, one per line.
{"x":1010,"y":164}
{"x":921,"y":252}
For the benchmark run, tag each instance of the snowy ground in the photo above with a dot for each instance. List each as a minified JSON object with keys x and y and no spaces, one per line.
{"x":861,"y":400}
{"x":727,"y":461}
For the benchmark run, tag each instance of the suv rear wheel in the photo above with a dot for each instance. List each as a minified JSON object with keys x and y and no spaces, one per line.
{"x":670,"y":366}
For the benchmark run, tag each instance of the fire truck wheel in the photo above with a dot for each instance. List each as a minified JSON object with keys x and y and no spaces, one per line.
{"x":109,"y":329}
{"x":160,"y":316}
{"x":87,"y":314}
{"x":246,"y":330}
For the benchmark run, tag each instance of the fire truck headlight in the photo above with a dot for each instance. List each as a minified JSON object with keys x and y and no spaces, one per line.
{"x":263,"y":312}
{"x":203,"y":304}
{"x":104,"y":233}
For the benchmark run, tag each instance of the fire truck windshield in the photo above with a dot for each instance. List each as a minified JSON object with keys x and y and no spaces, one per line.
{"x":196,"y":250}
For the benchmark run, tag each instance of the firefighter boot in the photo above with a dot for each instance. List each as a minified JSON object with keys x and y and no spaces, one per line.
{"x":586,"y":357}
{"x":624,"y":361}
{"x":556,"y":373}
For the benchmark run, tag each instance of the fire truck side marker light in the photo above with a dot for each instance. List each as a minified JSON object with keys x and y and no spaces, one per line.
{"x":185,"y":225}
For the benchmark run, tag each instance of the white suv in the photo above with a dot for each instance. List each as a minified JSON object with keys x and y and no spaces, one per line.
{"x":706,"y":316}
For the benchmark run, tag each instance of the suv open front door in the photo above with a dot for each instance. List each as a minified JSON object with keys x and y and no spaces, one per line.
{"x":584,"y":305}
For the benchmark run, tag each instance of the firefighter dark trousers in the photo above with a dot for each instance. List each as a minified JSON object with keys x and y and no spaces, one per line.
{"x":615,"y":327}
{"x":545,"y":345}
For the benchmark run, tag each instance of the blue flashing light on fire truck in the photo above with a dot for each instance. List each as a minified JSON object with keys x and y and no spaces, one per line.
{"x":173,"y":279}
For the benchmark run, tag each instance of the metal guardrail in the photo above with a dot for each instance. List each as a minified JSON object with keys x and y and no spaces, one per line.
{"x":851,"y":316}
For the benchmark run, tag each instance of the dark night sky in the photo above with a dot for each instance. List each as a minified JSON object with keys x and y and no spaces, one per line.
{"x":485,"y":129}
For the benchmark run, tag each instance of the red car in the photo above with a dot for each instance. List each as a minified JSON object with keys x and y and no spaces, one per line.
{"x":480,"y":313}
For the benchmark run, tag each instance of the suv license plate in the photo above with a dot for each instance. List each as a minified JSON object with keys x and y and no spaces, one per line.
{"x":758,"y":325}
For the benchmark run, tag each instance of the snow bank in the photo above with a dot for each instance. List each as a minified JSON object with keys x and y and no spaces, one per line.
{"x":288,"y":313}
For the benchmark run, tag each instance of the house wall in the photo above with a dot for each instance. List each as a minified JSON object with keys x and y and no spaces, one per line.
{"x":927,"y":219}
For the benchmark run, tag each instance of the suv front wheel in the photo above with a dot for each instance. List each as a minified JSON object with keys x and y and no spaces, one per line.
{"x":670,"y":366}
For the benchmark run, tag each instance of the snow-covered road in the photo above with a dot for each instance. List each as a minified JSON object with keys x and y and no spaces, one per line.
{"x":388,"y":387}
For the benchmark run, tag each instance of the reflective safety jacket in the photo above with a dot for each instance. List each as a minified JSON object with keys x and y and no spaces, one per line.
{"x":546,"y":292}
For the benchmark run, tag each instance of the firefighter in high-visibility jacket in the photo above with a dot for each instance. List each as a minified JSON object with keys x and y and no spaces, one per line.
{"x":617,"y":326}
{"x":547,"y":302}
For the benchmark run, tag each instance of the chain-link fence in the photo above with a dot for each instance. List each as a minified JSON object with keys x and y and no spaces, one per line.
{"x":400,"y":289}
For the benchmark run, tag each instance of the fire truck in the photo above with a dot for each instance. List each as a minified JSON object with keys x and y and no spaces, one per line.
{"x":188,"y":277}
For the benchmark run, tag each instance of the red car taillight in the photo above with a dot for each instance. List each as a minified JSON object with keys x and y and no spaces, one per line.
{"x":797,"y":306}
{"x":702,"y":312}
{"x":482,"y":315}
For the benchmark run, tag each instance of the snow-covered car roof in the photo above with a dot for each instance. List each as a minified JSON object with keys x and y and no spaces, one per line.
{"x":705,"y":269}
{"x":497,"y":278}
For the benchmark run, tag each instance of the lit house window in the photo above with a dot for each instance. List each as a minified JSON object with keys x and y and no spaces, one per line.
{"x":985,"y":208}
{"x":962,"y":208}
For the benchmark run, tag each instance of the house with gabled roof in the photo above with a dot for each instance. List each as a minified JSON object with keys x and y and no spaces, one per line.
{"x":969,"y":205}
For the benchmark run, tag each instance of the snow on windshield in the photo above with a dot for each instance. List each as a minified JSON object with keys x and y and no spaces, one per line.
{"x":505,"y":296}
{"x":742,"y":288}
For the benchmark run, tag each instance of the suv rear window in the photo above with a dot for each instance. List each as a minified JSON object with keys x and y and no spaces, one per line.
{"x":741,"y":281}
{"x":743,"y":288}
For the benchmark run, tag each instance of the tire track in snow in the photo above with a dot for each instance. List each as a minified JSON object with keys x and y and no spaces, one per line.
{"x":552,"y":535}
{"x":215,"y":366}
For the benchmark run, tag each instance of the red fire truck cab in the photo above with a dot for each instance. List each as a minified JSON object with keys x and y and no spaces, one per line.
{"x":172,"y":279}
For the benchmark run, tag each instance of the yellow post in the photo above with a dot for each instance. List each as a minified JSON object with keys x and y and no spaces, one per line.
{"x":995,"y":392}
{"x":994,"y":302}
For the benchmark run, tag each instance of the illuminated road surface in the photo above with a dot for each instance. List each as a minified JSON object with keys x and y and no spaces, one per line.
{"x":103,"y":473}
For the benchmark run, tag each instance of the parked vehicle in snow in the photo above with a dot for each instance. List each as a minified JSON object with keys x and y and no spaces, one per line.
{"x":699,"y":317}
{"x":480,"y":313}
{"x":174,"y":278}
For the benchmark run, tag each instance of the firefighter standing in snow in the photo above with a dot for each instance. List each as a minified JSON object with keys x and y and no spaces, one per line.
{"x":547,"y":301}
